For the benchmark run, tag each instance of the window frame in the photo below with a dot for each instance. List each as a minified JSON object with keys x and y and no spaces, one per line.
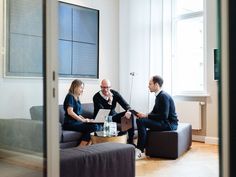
{"x":8,"y":74}
{"x":98,"y":32}
{"x":189,"y":16}
{"x":6,"y":61}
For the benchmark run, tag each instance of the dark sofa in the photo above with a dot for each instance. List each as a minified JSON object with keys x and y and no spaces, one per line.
{"x":67,"y":138}
{"x":101,"y":160}
{"x":20,"y":134}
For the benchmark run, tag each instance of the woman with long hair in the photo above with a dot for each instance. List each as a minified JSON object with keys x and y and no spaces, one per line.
{"x":73,"y":110}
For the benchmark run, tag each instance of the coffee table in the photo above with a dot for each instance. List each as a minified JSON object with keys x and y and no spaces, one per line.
{"x":100,"y":138}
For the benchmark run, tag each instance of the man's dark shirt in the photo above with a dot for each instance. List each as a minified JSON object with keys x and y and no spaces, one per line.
{"x":101,"y":103}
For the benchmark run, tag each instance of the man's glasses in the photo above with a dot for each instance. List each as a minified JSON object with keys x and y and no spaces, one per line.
{"x":105,"y":87}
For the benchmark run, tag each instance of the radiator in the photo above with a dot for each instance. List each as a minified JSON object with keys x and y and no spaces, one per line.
{"x":190,"y":112}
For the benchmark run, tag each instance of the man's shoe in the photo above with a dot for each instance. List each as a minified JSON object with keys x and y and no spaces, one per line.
{"x":122,"y":133}
{"x":139,"y":154}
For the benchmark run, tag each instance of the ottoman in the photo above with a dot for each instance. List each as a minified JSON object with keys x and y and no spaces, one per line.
{"x":169,"y":144}
{"x":98,"y":160}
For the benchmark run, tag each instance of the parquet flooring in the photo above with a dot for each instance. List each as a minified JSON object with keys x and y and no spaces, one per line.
{"x":202,"y":160}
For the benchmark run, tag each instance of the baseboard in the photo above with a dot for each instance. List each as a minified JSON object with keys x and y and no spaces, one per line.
{"x":206,"y":139}
{"x":212,"y":140}
{"x":198,"y":138}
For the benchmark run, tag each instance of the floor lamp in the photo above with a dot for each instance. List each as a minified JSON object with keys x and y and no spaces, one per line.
{"x":132,"y":74}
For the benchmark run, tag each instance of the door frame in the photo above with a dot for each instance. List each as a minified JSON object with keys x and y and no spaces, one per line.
{"x":51,"y":87}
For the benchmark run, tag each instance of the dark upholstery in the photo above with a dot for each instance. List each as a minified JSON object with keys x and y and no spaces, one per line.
{"x":36,"y":112}
{"x":70,"y":136}
{"x":100,"y":160}
{"x":67,"y":138}
{"x":25,"y":130}
{"x":22,"y":132}
{"x":87,"y":111}
{"x":169,"y":144}
{"x":21,"y":135}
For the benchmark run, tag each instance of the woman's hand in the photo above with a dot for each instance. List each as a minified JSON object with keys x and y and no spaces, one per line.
{"x":86,"y":120}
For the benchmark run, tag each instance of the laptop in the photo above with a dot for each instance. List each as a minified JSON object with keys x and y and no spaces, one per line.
{"x":100,"y":117}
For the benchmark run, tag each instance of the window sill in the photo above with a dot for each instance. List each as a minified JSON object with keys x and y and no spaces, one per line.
{"x":203,"y":95}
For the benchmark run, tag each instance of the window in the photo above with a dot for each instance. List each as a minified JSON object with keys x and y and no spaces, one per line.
{"x":24,"y":38}
{"x":78,"y":39}
{"x":188,"y":63}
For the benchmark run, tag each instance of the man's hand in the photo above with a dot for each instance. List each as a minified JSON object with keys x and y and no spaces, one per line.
{"x":110,"y":98}
{"x":142,"y":115}
{"x":128,"y":114}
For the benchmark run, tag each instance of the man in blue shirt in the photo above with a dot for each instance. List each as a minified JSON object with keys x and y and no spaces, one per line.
{"x":162,"y":117}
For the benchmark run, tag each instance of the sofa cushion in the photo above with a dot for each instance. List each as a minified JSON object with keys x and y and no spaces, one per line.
{"x":61,"y":114}
{"x":23,"y":135}
{"x":60,"y":132}
{"x":87,"y":111}
{"x":68,"y":136}
{"x":36,"y":112}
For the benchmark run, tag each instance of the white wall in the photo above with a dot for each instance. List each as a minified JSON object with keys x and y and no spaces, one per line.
{"x":108,"y":48}
{"x":16,"y":94}
{"x":141,"y":51}
{"x":212,"y":85}
{"x":134,"y":51}
{"x":19,"y":94}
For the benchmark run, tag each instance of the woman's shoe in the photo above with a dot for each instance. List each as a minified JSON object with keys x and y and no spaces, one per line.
{"x":89,"y":143}
{"x":83,"y":143}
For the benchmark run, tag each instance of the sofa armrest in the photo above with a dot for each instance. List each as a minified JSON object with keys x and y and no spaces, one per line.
{"x":36,"y":112}
{"x":23,"y":135}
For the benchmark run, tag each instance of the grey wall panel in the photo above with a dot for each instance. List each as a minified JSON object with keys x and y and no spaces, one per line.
{"x":85,"y":25}
{"x":65,"y":57}
{"x":84,"y":59}
{"x":25,"y":54}
{"x":65,"y":21}
{"x":26,"y":17}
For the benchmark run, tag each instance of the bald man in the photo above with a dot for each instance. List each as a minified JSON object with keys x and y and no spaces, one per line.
{"x":108,"y":98}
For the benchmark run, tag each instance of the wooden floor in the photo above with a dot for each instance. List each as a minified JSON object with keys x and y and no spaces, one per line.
{"x":15,"y":164}
{"x":201,"y":160}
